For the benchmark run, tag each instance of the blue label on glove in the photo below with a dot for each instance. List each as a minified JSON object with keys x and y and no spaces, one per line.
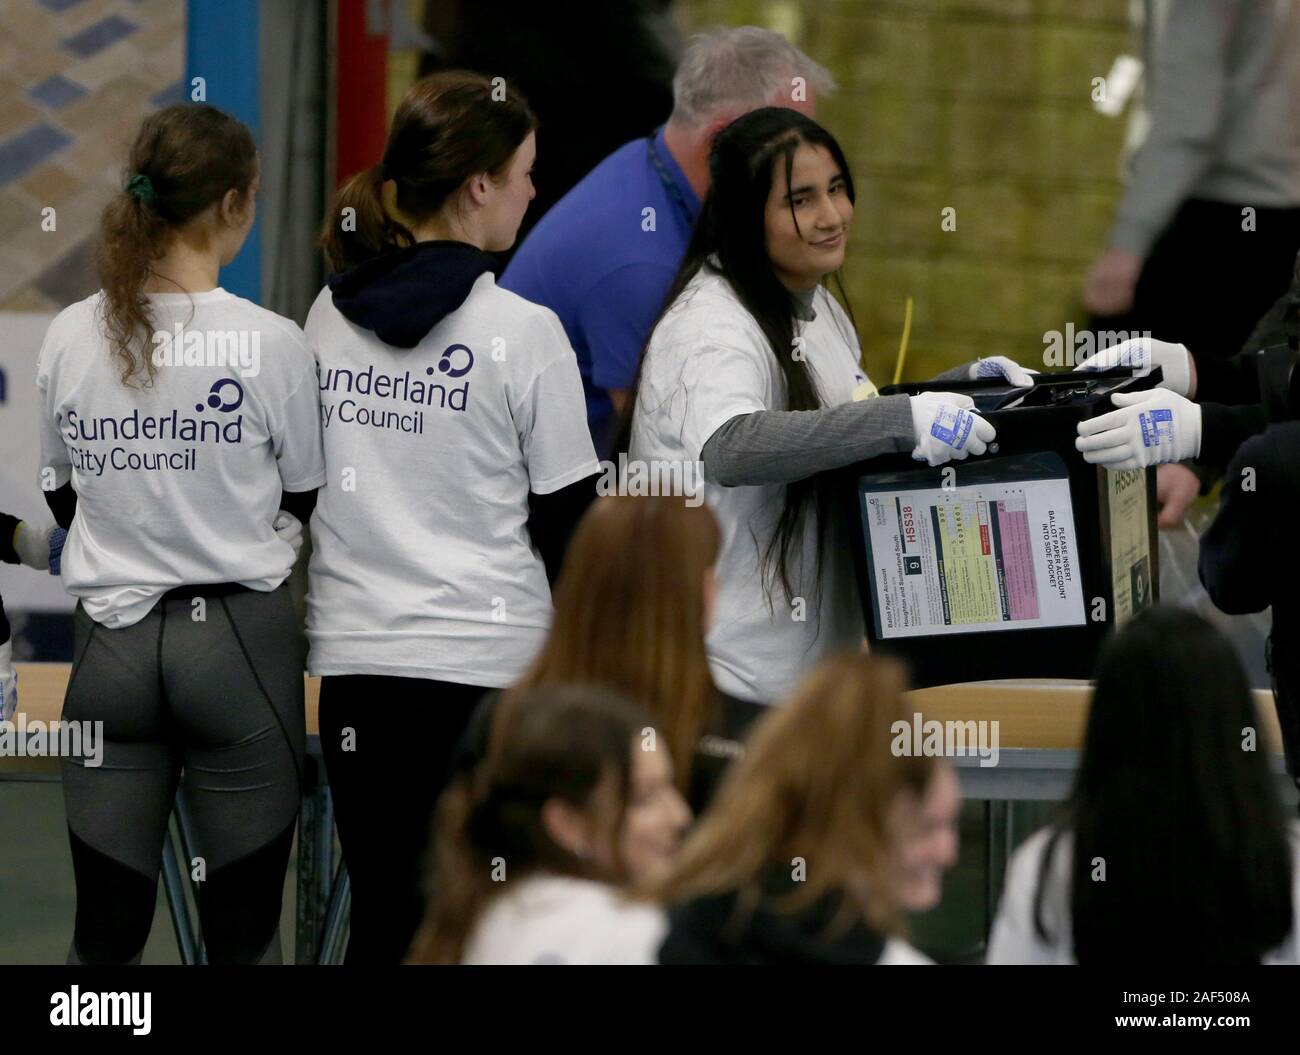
{"x":1157,"y":427}
{"x":988,"y":368}
{"x":952,"y":428}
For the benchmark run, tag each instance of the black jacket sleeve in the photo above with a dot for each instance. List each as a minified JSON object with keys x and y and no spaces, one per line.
{"x":553,"y":517}
{"x":1224,"y":429}
{"x":1234,"y":380}
{"x":1244,"y":562}
{"x":63,"y":504}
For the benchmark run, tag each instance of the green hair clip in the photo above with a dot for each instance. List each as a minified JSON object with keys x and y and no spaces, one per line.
{"x":138,"y":186}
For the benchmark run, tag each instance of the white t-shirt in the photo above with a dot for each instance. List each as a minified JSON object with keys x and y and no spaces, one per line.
{"x":558,"y":920}
{"x":1015,"y":939}
{"x":422,"y":565}
{"x":178,"y":484}
{"x":707,"y":362}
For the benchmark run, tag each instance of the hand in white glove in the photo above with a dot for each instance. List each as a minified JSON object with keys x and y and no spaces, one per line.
{"x":1143,"y":353}
{"x":32,"y":544}
{"x":289,"y":528}
{"x":8,"y":681}
{"x":946,"y":428}
{"x":1151,"y":427}
{"x":1001,"y":366}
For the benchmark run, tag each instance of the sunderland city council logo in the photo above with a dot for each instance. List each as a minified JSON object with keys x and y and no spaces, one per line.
{"x":447,"y":363}
{"x":225,"y":395}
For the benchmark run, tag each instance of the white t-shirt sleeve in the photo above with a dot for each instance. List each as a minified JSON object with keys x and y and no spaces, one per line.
{"x":1015,"y":939}
{"x":54,"y":451}
{"x":295,"y":425}
{"x":551,"y":419}
{"x":722,"y":376}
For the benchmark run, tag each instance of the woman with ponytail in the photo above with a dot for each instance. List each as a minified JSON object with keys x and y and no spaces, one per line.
{"x":179,"y":423}
{"x":458,"y":457}
{"x":573,"y":799}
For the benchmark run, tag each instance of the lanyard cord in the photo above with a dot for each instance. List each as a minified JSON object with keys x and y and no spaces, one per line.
{"x":674,"y":191}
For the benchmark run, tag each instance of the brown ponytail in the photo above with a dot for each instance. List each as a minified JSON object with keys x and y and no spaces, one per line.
{"x":190,"y":155}
{"x":447,"y":128}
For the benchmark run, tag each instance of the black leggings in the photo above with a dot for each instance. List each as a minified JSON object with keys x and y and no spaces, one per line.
{"x":216,"y":705}
{"x":388,"y":744}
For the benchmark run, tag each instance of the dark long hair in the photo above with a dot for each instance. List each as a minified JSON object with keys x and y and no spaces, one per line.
{"x":731,"y":225}
{"x":544,"y":743}
{"x":448,"y":127}
{"x":1174,"y":803}
{"x":191,"y":154}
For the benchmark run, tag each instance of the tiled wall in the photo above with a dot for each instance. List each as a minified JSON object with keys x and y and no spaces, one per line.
{"x":76,"y":76}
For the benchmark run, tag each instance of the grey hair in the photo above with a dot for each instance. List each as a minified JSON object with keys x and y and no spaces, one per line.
{"x":737,"y":70}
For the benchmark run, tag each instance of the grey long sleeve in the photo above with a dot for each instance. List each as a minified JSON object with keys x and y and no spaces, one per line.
{"x":1221,"y":89}
{"x":782,"y":446}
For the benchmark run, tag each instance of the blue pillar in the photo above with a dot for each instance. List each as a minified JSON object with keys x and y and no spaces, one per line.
{"x":221,"y":46}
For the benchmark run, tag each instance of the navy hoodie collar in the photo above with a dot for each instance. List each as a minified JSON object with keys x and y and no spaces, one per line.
{"x":402,"y":295}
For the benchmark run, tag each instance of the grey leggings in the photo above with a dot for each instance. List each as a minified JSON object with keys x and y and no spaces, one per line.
{"x":215,"y":705}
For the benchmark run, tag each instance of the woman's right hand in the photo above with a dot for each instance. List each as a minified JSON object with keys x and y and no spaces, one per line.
{"x":946,"y":428}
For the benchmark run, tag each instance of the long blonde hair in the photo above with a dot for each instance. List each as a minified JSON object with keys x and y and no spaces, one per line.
{"x":630,"y":613}
{"x":816,"y":784}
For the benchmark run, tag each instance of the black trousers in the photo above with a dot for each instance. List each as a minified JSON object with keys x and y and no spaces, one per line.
{"x":1207,"y":282}
{"x":388,"y":744}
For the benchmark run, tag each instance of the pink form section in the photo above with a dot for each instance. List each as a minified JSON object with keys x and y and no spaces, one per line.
{"x":1017,"y":562}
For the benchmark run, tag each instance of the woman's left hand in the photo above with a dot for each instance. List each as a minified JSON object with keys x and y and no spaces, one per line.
{"x":1001,"y":366}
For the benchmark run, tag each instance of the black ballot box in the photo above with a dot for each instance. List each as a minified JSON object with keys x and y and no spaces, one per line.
{"x":1016,"y":563}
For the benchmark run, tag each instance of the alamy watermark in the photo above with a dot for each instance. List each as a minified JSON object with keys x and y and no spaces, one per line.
{"x":1070,"y":348}
{"x":935,"y":739}
{"x":236,"y":350}
{"x":643,"y":479}
{"x":20,"y":738}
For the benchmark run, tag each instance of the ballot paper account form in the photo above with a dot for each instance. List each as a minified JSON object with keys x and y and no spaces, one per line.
{"x":987,"y":555}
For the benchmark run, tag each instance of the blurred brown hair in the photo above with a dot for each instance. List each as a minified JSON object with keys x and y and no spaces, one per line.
{"x":629,"y":614}
{"x":191,"y":154}
{"x":818,"y":781}
{"x":554,"y":742}
{"x":446,"y":129}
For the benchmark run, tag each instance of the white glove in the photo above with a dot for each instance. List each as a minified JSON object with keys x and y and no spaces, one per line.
{"x":946,"y":428}
{"x":40,"y":548}
{"x":1001,"y":366}
{"x":1143,"y":353}
{"x":8,"y":681}
{"x":1151,"y":428}
{"x":289,"y":529}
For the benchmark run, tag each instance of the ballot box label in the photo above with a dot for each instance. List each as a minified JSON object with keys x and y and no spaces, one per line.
{"x":1127,"y":516}
{"x":996,"y":553}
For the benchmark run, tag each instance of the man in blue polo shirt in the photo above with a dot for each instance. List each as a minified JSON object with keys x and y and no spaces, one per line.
{"x":604,"y":256}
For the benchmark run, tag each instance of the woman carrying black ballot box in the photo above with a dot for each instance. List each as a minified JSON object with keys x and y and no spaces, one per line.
{"x":753,"y":370}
